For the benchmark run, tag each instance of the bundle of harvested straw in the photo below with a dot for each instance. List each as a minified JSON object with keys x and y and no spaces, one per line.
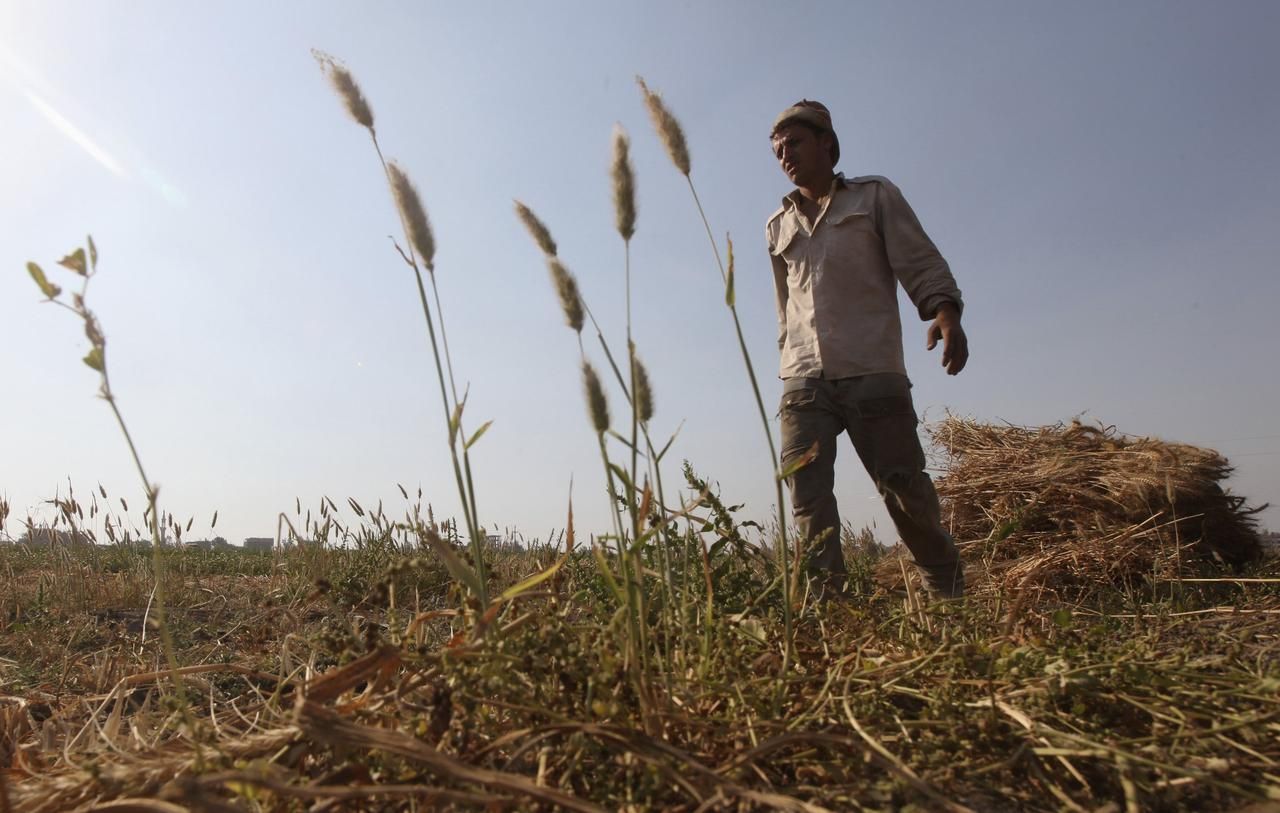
{"x":1072,"y":507}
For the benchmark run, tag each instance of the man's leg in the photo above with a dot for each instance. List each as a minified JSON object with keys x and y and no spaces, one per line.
{"x":809,"y":415}
{"x":882,"y":424}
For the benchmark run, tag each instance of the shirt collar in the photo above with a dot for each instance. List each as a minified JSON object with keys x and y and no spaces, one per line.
{"x":793,"y":198}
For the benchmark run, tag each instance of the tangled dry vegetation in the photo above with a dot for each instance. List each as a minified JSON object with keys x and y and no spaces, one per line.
{"x":361,"y":677}
{"x":1071,"y":510}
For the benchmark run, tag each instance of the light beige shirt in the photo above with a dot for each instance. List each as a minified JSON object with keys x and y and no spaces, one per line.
{"x":835,"y":279}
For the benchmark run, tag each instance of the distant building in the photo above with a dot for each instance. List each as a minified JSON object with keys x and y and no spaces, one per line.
{"x":217,"y":543}
{"x":259,"y":543}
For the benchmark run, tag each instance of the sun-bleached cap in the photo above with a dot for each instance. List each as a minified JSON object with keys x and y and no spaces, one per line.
{"x":810,"y":112}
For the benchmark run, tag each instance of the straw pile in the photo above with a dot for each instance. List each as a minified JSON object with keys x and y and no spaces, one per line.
{"x":1072,"y":508}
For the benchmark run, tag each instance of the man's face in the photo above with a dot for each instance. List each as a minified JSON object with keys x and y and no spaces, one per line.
{"x":804,"y":156}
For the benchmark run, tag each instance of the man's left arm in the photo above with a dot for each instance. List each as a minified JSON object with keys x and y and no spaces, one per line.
{"x":924,"y":274}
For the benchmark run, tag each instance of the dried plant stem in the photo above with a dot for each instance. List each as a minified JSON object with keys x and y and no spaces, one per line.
{"x":474,"y":529}
{"x":632,"y":502}
{"x":466,"y":454}
{"x":97,"y":361}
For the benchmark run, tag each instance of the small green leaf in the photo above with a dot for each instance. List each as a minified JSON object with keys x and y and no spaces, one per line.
{"x":728,"y":285}
{"x":93,"y":255}
{"x":476,"y":436}
{"x":75,"y":261}
{"x":810,"y":455}
{"x":621,"y":474}
{"x":621,"y":439}
{"x":667,"y":446}
{"x":533,"y":581}
{"x":95,"y":359}
{"x":46,"y":287}
{"x":1062,"y":618}
{"x":455,"y":420}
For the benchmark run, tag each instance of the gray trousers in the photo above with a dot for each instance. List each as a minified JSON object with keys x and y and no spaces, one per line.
{"x":877,"y":412}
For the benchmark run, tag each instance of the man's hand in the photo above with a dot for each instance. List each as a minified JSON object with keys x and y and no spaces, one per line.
{"x":955,"y":346}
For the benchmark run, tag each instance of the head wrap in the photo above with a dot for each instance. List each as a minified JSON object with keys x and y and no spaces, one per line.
{"x":812,"y":113}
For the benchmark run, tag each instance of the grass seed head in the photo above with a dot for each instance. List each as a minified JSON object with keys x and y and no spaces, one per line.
{"x":567,"y":290}
{"x":415,"y":217}
{"x":668,"y":128}
{"x":624,"y":184}
{"x":596,"y":403}
{"x":644,"y":393}
{"x":345,"y":84}
{"x":537,"y":229}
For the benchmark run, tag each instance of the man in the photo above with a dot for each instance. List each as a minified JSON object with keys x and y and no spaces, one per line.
{"x":839,"y":247}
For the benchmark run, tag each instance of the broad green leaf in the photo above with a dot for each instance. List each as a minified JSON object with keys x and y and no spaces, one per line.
{"x":94,"y":359}
{"x":728,"y":286}
{"x":93,"y":255}
{"x":608,"y":574}
{"x":458,"y":569}
{"x":75,"y":261}
{"x":46,"y":287}
{"x":622,"y":475}
{"x":476,"y":436}
{"x":810,"y":455}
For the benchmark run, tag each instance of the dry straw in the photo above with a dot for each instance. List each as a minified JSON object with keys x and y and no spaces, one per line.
{"x":345,"y":84}
{"x":537,"y":229}
{"x":624,"y":184}
{"x":415,"y":217}
{"x":596,"y":403}
{"x":668,"y":128}
{"x":567,"y":290}
{"x":644,"y":392}
{"x":1071,"y":509}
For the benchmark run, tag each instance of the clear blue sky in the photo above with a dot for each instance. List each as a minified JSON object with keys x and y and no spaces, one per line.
{"x":1102,"y":177}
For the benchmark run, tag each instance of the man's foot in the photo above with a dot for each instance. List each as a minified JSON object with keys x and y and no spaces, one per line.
{"x":828,"y":586}
{"x":946,"y":582}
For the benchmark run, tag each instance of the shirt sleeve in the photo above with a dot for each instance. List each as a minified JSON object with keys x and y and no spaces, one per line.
{"x":780,"y":290}
{"x":915,"y":260}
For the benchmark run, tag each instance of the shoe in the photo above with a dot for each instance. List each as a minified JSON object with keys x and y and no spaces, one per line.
{"x":946,"y":582}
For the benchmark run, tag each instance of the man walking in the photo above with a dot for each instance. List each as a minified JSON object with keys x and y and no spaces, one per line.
{"x":839,"y":247}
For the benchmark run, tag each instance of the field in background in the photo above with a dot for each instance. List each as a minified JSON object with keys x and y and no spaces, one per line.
{"x":330,"y":678}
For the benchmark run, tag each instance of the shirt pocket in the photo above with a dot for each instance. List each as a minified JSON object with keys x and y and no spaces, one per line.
{"x":856,"y":228}
{"x":786,"y":239}
{"x":798,"y":399}
{"x":851,"y":240}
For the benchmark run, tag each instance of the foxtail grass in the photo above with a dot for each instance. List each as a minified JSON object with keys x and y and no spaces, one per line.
{"x":672,"y":136}
{"x":421,"y":252}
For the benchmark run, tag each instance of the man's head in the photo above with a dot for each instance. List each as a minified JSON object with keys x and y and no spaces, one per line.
{"x":805,"y":143}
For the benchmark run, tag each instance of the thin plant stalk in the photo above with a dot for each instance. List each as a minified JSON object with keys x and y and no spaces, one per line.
{"x":466,"y":454}
{"x":86,"y":266}
{"x":463,"y":482}
{"x":420,"y":243}
{"x":672,"y":136}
